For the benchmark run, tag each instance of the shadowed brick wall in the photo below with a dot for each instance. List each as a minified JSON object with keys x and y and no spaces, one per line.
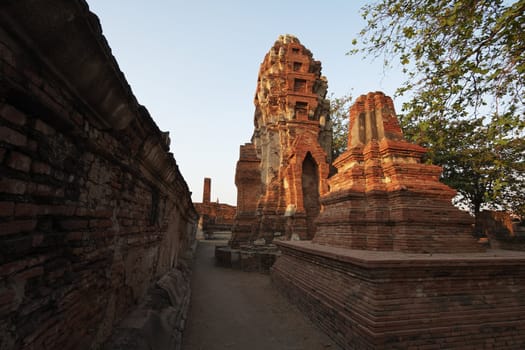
{"x":93,"y":208}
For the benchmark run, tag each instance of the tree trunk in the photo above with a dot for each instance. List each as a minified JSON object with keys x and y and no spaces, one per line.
{"x":477,"y":209}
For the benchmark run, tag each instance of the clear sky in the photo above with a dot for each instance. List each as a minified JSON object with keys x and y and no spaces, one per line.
{"x":194,"y":65}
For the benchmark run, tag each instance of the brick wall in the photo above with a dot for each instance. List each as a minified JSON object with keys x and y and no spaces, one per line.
{"x":502,"y":229}
{"x":93,"y":209}
{"x":214,"y":217}
{"x":386,"y":300}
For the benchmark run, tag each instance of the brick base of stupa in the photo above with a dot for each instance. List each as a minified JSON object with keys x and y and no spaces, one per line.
{"x":396,"y":300}
{"x":404,"y":220}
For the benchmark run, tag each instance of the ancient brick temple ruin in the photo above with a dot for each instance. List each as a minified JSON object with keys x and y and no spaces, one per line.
{"x":383,"y":198}
{"x":284,"y":168}
{"x":213,"y":216}
{"x":393,"y":264}
{"x":95,"y":218}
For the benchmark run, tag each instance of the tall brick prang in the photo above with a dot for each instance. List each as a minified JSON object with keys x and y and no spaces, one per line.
{"x":284,"y":168}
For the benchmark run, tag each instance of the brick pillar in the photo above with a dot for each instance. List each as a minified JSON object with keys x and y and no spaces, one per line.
{"x":206,"y":192}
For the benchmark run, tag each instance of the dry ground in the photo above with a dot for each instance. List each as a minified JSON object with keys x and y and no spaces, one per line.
{"x":231,"y":309}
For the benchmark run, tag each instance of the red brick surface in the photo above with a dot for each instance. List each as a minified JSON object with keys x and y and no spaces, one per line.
{"x":393,"y":265}
{"x":90,"y":215}
{"x":291,"y":115}
{"x":248,"y":182}
{"x":383,"y":197}
{"x":206,"y":191}
{"x":394,"y":300}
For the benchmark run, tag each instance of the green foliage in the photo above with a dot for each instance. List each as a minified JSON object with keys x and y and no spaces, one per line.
{"x":486,"y":169}
{"x":465,"y":70}
{"x":461,"y":57}
{"x":339,"y":115}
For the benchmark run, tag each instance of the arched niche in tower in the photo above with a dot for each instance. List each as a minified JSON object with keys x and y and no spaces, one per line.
{"x":310,"y":187}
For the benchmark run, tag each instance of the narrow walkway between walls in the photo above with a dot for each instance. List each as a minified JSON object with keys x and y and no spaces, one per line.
{"x":232,"y":309}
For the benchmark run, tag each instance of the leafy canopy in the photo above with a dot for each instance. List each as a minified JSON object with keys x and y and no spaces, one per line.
{"x":465,"y":72}
{"x":339,"y":116}
{"x":462,"y":58}
{"x":486,"y":170}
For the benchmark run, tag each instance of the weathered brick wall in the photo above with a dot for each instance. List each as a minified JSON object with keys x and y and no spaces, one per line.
{"x":501,"y":230}
{"x":382,"y":300}
{"x":93,"y":210}
{"x":215,"y":216}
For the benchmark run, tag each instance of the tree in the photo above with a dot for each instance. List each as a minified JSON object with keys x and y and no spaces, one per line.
{"x":459,"y":56}
{"x":465,"y":70}
{"x":340,"y":116}
{"x":486,"y":170}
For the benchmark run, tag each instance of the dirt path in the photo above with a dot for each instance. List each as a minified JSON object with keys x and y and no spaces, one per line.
{"x":231,"y":309}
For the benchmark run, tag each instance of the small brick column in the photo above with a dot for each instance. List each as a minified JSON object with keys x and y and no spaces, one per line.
{"x":206,"y":192}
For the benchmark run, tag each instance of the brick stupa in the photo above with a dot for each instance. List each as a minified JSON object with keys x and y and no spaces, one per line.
{"x":283,"y":170}
{"x":393,"y":264}
{"x":383,"y":197}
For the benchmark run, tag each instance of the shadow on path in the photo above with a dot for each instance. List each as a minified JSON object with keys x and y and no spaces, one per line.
{"x":231,"y":309}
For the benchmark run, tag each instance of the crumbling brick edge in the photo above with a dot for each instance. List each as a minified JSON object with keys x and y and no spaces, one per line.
{"x":158,"y":321}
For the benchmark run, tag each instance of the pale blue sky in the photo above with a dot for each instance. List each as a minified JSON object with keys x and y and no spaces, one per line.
{"x":194,"y":65}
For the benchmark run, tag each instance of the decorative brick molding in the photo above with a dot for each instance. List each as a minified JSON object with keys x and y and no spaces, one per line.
{"x":383,"y":197}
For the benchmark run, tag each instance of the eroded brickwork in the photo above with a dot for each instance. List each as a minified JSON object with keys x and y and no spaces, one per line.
{"x":389,"y":300}
{"x":292,"y":133}
{"x":393,"y":265}
{"x":383,"y":197}
{"x":206,"y":191}
{"x":93,"y":209}
{"x":213,"y":216}
{"x":248,"y":182}
{"x":503,"y":230}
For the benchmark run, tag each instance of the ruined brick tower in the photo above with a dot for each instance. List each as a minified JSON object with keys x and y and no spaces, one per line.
{"x":391,"y":200}
{"x":283,"y":170}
